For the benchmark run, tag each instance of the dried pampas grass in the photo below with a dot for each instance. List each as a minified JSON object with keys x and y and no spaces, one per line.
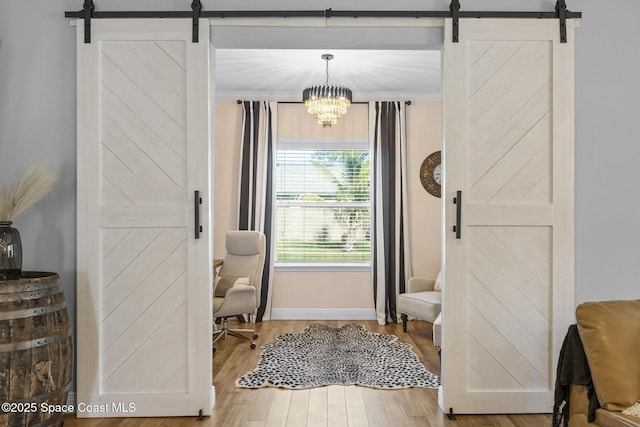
{"x":35,"y":184}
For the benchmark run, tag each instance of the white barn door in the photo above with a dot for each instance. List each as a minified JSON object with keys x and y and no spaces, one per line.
{"x":508,"y":277}
{"x":144,"y":280}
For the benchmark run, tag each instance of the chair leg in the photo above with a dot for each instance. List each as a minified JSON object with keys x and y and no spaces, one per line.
{"x":238,"y":333}
{"x":222,"y":333}
{"x":404,"y":322}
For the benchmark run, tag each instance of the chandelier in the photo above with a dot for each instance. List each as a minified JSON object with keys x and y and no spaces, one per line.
{"x":327,"y":103}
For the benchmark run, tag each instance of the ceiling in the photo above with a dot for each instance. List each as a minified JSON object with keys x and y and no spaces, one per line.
{"x":282,"y":74}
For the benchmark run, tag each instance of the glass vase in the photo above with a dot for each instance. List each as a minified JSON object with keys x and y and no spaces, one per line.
{"x":10,"y":252}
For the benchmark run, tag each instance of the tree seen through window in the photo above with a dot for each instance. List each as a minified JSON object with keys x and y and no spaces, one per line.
{"x":323,"y":206}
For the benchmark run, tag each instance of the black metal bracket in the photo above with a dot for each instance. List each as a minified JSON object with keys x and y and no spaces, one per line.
{"x":451,"y":415}
{"x":87,"y":10}
{"x":561,"y":10}
{"x":454,"y":7}
{"x":201,"y":416}
{"x":196,"y":6}
{"x":561,"y":13}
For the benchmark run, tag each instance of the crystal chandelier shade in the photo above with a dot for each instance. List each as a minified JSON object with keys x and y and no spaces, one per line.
{"x":327,"y":103}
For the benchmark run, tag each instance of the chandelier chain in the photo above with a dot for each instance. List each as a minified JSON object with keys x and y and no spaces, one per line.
{"x":326,"y":82}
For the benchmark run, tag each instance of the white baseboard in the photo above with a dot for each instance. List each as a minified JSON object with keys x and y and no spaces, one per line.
{"x":323,"y":314}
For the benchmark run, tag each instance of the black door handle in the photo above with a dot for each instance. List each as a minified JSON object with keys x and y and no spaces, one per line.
{"x":458,"y":202}
{"x":197,"y":201}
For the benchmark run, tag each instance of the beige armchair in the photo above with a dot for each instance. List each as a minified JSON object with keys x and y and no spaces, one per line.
{"x":421,"y":300}
{"x":237,"y":285}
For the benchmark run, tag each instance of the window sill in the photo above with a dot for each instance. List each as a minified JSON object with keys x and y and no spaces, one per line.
{"x":322,"y":267}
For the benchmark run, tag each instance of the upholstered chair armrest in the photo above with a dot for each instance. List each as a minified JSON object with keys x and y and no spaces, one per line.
{"x":239,"y":291}
{"x":420,"y":284}
{"x":238,"y":299}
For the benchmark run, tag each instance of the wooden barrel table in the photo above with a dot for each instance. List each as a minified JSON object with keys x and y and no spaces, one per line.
{"x":36,"y":351}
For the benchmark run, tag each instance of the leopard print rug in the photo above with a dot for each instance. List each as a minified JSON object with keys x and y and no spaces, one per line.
{"x":323,"y":355}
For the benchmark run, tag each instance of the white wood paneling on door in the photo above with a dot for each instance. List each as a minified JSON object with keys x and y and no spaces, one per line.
{"x":144,"y":294}
{"x":508,"y":299}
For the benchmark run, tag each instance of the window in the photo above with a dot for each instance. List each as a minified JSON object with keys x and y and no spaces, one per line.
{"x":323,"y":202}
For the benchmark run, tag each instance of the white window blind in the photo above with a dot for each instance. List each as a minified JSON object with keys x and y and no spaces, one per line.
{"x":323,"y":202}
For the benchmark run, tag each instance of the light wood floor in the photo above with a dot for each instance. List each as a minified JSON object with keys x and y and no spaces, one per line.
{"x":332,"y":406}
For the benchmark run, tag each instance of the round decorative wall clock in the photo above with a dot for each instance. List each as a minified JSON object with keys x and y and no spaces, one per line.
{"x":431,"y":173}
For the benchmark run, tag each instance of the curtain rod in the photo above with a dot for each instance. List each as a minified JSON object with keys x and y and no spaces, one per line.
{"x":300,"y":102}
{"x":88,"y":12}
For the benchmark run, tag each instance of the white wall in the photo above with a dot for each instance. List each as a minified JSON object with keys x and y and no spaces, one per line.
{"x":607,"y":151}
{"x":228,"y":131}
{"x":37,"y":119}
{"x":424,"y":135}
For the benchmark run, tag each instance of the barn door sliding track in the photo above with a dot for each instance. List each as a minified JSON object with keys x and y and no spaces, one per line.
{"x":88,"y":12}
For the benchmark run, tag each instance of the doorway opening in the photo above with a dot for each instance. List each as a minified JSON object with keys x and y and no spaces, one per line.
{"x":399,"y":63}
